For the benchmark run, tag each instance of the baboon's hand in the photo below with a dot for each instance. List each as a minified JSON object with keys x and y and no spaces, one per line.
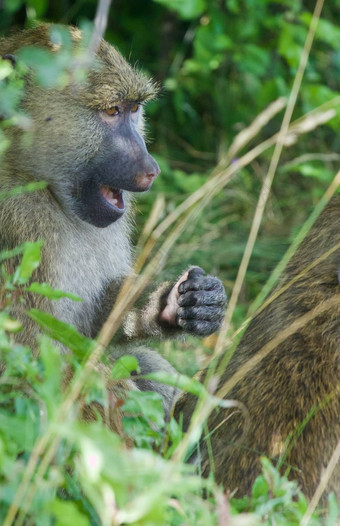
{"x":196,"y":303}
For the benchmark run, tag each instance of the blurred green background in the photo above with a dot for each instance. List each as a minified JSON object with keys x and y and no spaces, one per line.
{"x":219,"y":63}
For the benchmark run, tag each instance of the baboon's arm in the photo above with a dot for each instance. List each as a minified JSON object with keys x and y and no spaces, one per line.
{"x":194,"y":304}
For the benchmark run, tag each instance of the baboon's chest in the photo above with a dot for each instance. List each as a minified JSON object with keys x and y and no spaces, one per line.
{"x":86,"y":265}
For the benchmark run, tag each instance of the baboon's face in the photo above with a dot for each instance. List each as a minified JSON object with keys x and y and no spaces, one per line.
{"x":121,"y":163}
{"x":86,"y":140}
{"x":88,"y":157}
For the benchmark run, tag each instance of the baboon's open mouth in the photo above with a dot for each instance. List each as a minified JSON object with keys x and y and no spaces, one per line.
{"x":113,"y":196}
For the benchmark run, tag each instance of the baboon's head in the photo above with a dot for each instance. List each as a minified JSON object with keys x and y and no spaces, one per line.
{"x":85,"y":139}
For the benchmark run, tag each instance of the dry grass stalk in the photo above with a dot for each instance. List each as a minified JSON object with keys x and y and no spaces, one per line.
{"x":267,"y":183}
{"x":100,"y":23}
{"x":306,"y":157}
{"x":246,"y":135}
{"x":259,"y":304}
{"x":295,"y":326}
{"x":151,"y":222}
{"x":273,"y":278}
{"x":321,"y":486}
{"x":283,"y":289}
{"x":221,"y":176}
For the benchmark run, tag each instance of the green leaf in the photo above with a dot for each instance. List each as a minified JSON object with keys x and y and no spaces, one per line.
{"x":49,"y":389}
{"x":239,"y":505}
{"x":30,"y":261}
{"x":7,"y":254}
{"x":317,"y":172}
{"x":6,"y":69}
{"x":13,"y":5}
{"x":175,"y":433}
{"x":139,"y":429}
{"x":271,"y":474}
{"x":333,"y":510}
{"x":187,"y":183}
{"x":146,"y":403}
{"x":260,"y":487}
{"x":314,"y":95}
{"x":61,"y":36}
{"x":67,"y":514}
{"x":22,"y":428}
{"x":50,"y":69}
{"x":8,"y":324}
{"x":290,"y":43}
{"x":39,"y":7}
{"x":124,"y":366}
{"x":10,"y":97}
{"x":141,"y":409}
{"x":187,"y":10}
{"x":21,"y":189}
{"x":53,"y":294}
{"x":63,"y":333}
{"x":190,"y":385}
{"x":253,"y":59}
{"x":325,"y":30}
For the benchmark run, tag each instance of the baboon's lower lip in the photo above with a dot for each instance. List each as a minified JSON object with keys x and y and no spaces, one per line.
{"x":113,"y":196}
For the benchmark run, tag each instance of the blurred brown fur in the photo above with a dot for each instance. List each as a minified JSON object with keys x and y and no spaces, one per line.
{"x":293,"y":393}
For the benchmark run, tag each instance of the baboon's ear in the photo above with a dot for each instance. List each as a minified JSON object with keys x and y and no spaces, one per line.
{"x":11,"y":58}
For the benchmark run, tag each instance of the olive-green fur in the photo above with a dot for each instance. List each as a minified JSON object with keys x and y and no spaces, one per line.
{"x":63,"y":135}
{"x":111,"y":81}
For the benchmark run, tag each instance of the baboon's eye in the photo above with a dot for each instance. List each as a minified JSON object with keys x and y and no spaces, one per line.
{"x":135,"y":107}
{"x":112,"y":111}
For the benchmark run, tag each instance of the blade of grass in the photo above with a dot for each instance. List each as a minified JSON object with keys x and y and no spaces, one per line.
{"x":295,"y":326}
{"x":246,"y":135}
{"x":267,"y":183}
{"x":257,"y":306}
{"x":296,"y":243}
{"x":322,"y":485}
{"x":100,"y":23}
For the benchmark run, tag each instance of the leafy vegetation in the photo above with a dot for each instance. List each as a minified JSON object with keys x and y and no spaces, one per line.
{"x":220,"y":64}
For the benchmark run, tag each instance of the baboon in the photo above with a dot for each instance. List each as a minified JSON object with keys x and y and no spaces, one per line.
{"x":86,"y":141}
{"x":292,"y":394}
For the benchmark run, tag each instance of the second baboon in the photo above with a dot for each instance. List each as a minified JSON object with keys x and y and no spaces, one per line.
{"x":293,"y":393}
{"x":86,"y":141}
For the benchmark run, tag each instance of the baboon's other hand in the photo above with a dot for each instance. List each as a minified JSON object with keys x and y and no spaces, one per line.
{"x":196,"y":303}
